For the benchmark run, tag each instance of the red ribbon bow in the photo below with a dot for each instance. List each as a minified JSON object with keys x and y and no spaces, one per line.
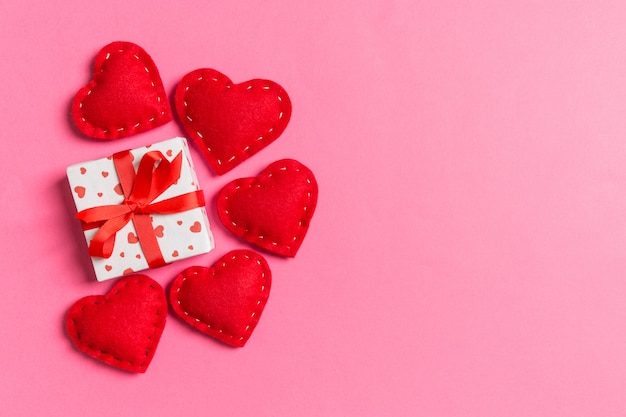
{"x":155,"y":175}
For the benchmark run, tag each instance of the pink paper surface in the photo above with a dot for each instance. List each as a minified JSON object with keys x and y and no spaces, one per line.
{"x":468,"y":253}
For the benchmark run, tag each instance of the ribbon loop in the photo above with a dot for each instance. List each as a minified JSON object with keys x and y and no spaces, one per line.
{"x":154,"y":175}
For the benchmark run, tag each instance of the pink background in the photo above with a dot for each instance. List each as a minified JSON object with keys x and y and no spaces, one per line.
{"x":468,"y":253}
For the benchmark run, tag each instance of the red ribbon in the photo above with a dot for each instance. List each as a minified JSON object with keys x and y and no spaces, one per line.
{"x":155,"y":175}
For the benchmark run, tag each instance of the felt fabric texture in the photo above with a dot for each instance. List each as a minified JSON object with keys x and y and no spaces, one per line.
{"x":230,"y":122}
{"x":125,"y":96}
{"x":123,"y":327}
{"x":272,"y":210}
{"x":226,"y":300}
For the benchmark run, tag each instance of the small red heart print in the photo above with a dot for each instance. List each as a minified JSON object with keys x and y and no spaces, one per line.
{"x":132,"y":238}
{"x":80,"y":191}
{"x":196,"y":227}
{"x":105,"y":174}
{"x":83,"y":170}
{"x":158,"y":231}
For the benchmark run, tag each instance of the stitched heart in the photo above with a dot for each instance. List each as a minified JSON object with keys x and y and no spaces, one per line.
{"x":230,"y":122}
{"x":226,"y":300}
{"x":125,"y":96}
{"x":123,"y":327}
{"x":272,"y":210}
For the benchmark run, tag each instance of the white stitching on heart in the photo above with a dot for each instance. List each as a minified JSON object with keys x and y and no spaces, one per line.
{"x":101,"y":353}
{"x":210,"y":326}
{"x":228,"y":86}
{"x":304,"y":209}
{"x":136,"y":125}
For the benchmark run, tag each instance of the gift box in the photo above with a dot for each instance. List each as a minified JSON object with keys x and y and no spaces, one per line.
{"x":141,"y":208}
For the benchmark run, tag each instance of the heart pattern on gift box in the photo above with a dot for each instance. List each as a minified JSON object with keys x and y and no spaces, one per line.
{"x":123,"y":327}
{"x":226,"y":300}
{"x":272,"y":210}
{"x":230,"y":122}
{"x":125,"y":96}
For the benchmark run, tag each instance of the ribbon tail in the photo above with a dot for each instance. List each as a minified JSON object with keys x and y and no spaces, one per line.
{"x":101,"y":245}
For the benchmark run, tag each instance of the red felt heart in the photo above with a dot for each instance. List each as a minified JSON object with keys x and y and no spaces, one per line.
{"x":230,"y":122}
{"x":272,"y":210}
{"x":123,"y":327}
{"x":125,"y":96}
{"x":226,"y":300}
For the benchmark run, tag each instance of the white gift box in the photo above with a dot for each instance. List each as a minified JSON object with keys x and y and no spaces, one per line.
{"x":179,"y":235}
